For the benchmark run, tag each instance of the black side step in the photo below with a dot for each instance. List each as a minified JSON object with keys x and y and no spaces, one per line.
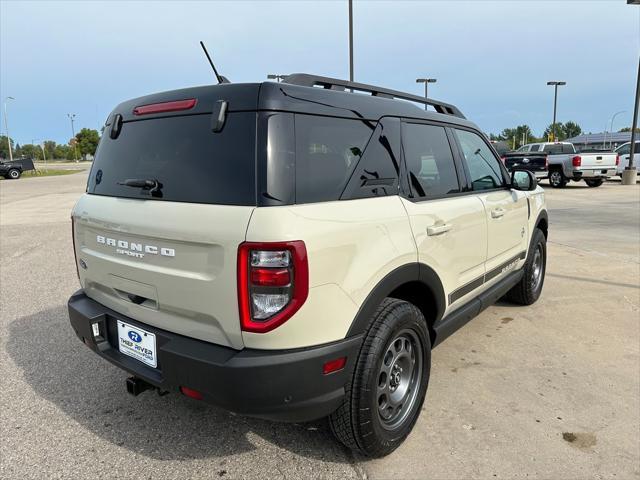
{"x":457,"y":319}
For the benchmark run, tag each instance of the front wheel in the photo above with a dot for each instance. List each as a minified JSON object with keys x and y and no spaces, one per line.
{"x":14,"y":174}
{"x":557,"y":179}
{"x":385,"y":396}
{"x":595,"y":182}
{"x":528,"y":289}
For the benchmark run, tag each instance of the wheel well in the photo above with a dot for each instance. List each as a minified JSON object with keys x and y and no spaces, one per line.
{"x":543,"y":225}
{"x":420,"y":295}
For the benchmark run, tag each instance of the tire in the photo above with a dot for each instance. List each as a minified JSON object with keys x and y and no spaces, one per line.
{"x":528,"y":289}
{"x":557,"y":178}
{"x":13,"y":174}
{"x":595,"y":182}
{"x":397,"y":340}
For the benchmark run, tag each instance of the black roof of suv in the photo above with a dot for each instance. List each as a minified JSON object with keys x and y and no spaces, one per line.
{"x":261,"y":144}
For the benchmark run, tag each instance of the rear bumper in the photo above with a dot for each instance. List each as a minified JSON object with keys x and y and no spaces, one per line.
{"x":285,"y":385}
{"x":594,"y":173}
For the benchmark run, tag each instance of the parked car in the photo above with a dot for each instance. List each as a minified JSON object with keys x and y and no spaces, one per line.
{"x":560,"y":163}
{"x":10,"y":170}
{"x":624,"y":153}
{"x":292,"y":252}
{"x":15,"y":168}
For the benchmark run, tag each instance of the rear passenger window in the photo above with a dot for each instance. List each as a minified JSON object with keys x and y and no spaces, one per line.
{"x":327,"y":151}
{"x":484,"y":167}
{"x":377,"y":172}
{"x":429,"y":160}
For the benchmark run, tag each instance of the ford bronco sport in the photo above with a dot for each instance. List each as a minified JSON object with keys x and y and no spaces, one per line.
{"x":295,"y":250}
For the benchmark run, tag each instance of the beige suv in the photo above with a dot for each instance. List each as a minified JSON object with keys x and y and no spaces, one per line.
{"x":294,"y":251}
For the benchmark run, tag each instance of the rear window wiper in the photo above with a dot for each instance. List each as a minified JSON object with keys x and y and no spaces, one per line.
{"x":153,"y":185}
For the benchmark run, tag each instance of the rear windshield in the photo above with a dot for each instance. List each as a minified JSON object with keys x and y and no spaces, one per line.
{"x":192,"y":163}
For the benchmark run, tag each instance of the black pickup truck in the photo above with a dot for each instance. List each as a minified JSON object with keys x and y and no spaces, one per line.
{"x":12,"y":170}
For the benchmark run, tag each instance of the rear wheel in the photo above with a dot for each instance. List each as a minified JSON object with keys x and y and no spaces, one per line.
{"x":14,"y":174}
{"x":557,"y":179}
{"x":385,"y":396}
{"x":596,"y":182}
{"x":528,"y":289}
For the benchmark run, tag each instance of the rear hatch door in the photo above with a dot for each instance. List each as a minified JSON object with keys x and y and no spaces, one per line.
{"x":167,"y":257}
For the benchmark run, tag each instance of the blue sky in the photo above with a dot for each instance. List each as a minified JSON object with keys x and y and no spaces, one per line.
{"x":492,"y":59}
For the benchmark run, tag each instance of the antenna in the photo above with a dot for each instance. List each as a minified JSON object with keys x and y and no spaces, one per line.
{"x":220,"y":78}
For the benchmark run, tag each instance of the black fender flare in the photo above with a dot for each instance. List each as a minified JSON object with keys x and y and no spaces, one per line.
{"x":412,"y":272}
{"x":543,"y":215}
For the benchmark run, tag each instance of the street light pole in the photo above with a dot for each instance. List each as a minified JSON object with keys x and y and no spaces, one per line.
{"x":72,"y":117}
{"x":351,"y":40}
{"x":6,"y":126}
{"x":426,"y":82}
{"x":630,"y":172}
{"x":611,"y":126}
{"x":555,"y":105}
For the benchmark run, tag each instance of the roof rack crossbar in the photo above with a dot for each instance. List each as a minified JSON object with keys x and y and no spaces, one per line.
{"x":307,"y":80}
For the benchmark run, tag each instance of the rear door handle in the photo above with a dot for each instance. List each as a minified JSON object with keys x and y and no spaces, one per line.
{"x":497,"y":212}
{"x":439,"y":229}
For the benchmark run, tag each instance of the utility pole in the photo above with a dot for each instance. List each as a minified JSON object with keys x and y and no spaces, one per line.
{"x":426,"y":82}
{"x":72,"y":117}
{"x":6,"y":126}
{"x":555,"y":104}
{"x":351,"y":40}
{"x":630,"y":172}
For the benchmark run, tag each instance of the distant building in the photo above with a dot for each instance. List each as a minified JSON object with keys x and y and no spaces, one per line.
{"x":600,"y":140}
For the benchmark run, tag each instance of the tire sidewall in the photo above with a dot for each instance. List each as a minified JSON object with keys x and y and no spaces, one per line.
{"x":14,"y":174}
{"x":387,"y":440}
{"x":538,"y":239}
{"x":558,"y":174}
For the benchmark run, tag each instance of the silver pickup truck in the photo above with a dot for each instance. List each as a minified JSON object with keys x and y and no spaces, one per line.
{"x":560,"y":162}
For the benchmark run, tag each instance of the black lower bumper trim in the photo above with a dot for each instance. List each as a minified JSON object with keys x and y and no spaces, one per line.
{"x":286,"y":385}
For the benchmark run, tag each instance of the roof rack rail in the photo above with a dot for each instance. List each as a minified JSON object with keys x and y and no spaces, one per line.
{"x":307,"y":80}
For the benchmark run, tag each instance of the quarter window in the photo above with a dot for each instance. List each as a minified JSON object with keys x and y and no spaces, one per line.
{"x":429,"y":160}
{"x":327,"y":151}
{"x":484,"y":167}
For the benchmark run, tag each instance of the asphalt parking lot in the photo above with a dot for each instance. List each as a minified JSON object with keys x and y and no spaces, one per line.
{"x":548,"y":391}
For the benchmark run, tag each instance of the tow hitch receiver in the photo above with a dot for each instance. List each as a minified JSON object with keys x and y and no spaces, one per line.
{"x":135,"y":386}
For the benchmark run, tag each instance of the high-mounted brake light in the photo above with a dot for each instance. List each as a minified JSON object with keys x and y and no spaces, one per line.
{"x":173,"y":106}
{"x":273,"y":283}
{"x":577,"y":161}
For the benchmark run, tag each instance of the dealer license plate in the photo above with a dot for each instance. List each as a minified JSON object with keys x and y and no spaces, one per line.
{"x":137,"y":343}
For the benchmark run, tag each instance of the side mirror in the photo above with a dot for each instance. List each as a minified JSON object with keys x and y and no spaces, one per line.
{"x":523,"y":180}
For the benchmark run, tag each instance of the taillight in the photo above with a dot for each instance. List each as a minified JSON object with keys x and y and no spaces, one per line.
{"x":174,"y":106}
{"x":273,"y":283}
{"x":577,"y":161}
{"x":617,"y":160}
{"x":546,"y":163}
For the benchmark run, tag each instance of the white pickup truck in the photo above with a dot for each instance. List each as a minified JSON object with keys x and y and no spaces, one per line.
{"x":560,"y":162}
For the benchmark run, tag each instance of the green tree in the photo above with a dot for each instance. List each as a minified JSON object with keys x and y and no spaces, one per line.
{"x":50,"y":148}
{"x":571,"y":129}
{"x":63,"y":152}
{"x":4,"y":146}
{"x":622,"y":130}
{"x":30,"y":151}
{"x":516,"y":136}
{"x":559,"y":132}
{"x":87,"y":139}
